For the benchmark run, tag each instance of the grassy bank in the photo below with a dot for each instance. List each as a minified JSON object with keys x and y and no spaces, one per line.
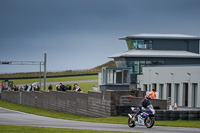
{"x":61,"y":79}
{"x":67,"y":116}
{"x":35,"y":74}
{"x":24,"y":129}
{"x":84,"y":86}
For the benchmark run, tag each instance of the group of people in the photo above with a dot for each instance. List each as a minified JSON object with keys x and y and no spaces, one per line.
{"x":25,"y":88}
{"x":35,"y":87}
{"x":62,"y":87}
{"x":15,"y":88}
{"x":31,"y":87}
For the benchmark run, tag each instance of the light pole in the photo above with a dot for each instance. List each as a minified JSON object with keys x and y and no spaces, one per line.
{"x":40,"y":63}
{"x":45,"y":65}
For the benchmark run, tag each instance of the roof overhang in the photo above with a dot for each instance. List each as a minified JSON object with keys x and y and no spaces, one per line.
{"x":159,"y":36}
{"x":155,"y":53}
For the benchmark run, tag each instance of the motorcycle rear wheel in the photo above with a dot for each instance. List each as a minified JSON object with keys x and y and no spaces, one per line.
{"x":149,"y":122}
{"x":131,"y":123}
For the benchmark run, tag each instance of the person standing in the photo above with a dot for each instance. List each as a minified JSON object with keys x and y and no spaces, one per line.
{"x":77,"y":88}
{"x":153,"y":94}
{"x":50,"y":87}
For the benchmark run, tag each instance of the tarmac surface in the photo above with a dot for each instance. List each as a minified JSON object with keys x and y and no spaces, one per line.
{"x":10,"y":117}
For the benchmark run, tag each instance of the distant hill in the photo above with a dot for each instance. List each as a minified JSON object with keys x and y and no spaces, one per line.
{"x":107,"y":64}
{"x":67,"y":72}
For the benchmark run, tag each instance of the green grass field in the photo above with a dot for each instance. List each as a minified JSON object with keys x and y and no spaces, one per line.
{"x":34,"y":74}
{"x":84,"y":86}
{"x":61,"y":79}
{"x":23,"y":129}
{"x":67,"y":116}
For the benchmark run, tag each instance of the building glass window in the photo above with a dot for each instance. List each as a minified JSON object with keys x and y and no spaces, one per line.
{"x":148,"y":63}
{"x":114,"y":76}
{"x":158,"y":62}
{"x":138,"y":65}
{"x":135,"y":67}
{"x":142,"y":44}
{"x":125,"y":76}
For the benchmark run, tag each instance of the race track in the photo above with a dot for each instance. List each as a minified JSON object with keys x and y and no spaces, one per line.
{"x":9,"y":117}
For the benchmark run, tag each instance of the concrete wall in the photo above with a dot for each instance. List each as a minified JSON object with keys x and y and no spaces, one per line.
{"x":93,"y":104}
{"x":180,"y":83}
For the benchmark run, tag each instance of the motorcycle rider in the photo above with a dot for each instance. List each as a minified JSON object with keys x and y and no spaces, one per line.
{"x":142,"y":106}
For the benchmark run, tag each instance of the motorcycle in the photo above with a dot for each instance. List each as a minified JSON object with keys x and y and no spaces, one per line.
{"x":146,"y":118}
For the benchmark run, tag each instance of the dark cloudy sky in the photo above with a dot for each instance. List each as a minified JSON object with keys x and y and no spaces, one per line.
{"x":81,"y":34}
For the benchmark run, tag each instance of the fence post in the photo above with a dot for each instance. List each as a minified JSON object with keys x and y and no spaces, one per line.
{"x":20,"y":97}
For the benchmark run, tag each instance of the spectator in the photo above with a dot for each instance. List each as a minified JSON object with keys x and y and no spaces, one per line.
{"x":21,"y":88}
{"x":25,"y":87}
{"x":50,"y":87}
{"x":36,"y":88}
{"x":77,"y":88}
{"x":31,"y":87}
{"x":62,"y":87}
{"x":15,"y":88}
{"x":58,"y":87}
{"x":68,"y":87}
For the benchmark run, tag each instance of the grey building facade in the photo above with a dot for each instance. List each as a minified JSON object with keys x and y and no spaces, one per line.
{"x":157,"y":49}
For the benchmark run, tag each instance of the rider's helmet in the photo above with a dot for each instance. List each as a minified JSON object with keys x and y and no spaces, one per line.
{"x":147,"y":97}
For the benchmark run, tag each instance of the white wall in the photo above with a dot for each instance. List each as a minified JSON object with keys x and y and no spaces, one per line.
{"x":174,"y":75}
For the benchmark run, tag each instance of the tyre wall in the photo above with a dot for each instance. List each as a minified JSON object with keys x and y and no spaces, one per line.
{"x":163,"y":115}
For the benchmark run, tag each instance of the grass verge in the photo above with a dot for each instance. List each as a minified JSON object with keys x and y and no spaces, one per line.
{"x":24,"y":129}
{"x":67,"y":116}
{"x":60,"y":79}
{"x":60,"y":115}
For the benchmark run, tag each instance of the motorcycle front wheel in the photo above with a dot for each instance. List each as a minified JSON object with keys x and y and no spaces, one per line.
{"x":149,"y":122}
{"x":131,"y":123}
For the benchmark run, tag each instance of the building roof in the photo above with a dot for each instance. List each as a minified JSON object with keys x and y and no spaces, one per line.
{"x":156,"y":53}
{"x":159,"y":36}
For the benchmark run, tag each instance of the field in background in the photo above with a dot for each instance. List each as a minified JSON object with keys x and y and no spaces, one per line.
{"x":68,"y":72}
{"x":61,"y":79}
{"x":85,"y":87}
{"x":88,"y":86}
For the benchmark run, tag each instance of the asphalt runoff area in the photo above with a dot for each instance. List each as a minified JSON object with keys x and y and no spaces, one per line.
{"x":10,"y":117}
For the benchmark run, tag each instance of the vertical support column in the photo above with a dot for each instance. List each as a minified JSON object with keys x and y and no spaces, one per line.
{"x":40,"y":75}
{"x":172,"y":94}
{"x":141,"y":85}
{"x":198,"y":95}
{"x":190,"y":103}
{"x":158,"y":91}
{"x":180,"y":96}
{"x":45,"y":59}
{"x":150,"y":87}
{"x":165,"y":91}
{"x":20,"y":97}
{"x":147,"y":87}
